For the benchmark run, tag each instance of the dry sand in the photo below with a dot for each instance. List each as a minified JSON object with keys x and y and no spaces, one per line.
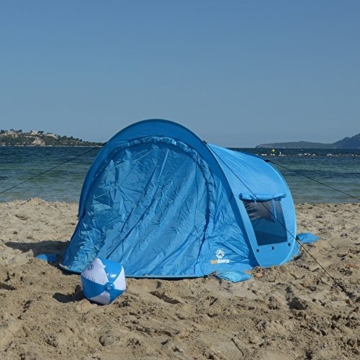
{"x":294,"y":311}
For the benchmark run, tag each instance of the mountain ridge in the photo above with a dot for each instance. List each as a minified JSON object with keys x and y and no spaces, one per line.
{"x":346,"y":143}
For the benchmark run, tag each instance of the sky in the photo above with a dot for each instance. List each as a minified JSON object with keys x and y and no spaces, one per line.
{"x":238,"y":73}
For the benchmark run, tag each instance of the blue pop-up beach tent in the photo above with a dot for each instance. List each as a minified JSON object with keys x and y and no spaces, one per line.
{"x":165,"y":204}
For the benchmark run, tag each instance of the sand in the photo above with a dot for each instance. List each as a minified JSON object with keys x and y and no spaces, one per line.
{"x":293,"y":311}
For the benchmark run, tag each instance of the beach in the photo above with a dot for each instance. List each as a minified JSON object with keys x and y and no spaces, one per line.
{"x":294,"y":311}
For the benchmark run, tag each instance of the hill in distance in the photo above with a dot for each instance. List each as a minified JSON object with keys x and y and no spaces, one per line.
{"x":346,"y":143}
{"x":39,"y":138}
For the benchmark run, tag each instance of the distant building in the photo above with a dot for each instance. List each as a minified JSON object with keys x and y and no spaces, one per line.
{"x":38,"y":142}
{"x":52,"y":135}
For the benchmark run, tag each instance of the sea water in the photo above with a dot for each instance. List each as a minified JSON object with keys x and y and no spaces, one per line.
{"x":57,"y":173}
{"x":50,"y":173}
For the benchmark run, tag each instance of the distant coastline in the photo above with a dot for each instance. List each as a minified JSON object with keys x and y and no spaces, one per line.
{"x":346,"y":143}
{"x":40,"y":138}
{"x":35,"y":138}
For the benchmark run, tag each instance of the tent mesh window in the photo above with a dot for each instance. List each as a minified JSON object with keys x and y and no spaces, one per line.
{"x":267,"y":219}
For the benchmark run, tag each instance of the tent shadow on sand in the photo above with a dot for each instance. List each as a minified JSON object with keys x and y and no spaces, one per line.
{"x":49,"y":250}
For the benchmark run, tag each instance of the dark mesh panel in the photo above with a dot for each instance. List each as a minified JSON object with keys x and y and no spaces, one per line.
{"x":267,"y":220}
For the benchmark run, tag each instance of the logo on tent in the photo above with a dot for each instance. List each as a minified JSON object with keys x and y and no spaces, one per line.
{"x":220,"y":254}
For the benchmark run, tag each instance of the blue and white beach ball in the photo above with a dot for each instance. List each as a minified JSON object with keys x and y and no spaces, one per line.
{"x":103,"y":281}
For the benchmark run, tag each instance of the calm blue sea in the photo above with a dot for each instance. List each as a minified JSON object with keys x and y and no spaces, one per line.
{"x":57,"y":174}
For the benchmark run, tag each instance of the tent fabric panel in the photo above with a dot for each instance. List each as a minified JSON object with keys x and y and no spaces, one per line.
{"x":162,"y":195}
{"x":248,"y":174}
{"x":226,"y":247}
{"x":153,"y":128}
{"x":251,"y":175}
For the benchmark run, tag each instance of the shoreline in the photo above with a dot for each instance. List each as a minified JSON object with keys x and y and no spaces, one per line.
{"x":76,"y":202}
{"x":287,"y":311}
{"x":54,"y":146}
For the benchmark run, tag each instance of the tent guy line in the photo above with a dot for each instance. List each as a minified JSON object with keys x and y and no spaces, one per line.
{"x":48,"y":170}
{"x":315,"y":180}
{"x":302,"y":246}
